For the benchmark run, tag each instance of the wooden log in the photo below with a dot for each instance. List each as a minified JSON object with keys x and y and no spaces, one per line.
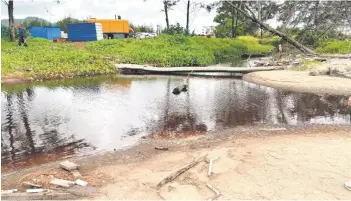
{"x":174,"y":175}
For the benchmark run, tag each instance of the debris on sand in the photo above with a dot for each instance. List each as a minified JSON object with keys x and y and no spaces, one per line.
{"x":81,"y":182}
{"x":161,"y":148}
{"x":30,"y":184}
{"x":67,"y":165}
{"x":35,"y":190}
{"x":62,"y":183}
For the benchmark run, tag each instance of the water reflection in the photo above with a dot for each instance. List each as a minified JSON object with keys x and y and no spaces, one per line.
{"x":55,"y":119}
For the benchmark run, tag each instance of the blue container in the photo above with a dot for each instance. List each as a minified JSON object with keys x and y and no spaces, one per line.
{"x":45,"y":32}
{"x":84,"y":32}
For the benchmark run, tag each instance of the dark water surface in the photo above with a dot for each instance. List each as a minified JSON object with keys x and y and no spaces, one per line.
{"x":56,"y":119}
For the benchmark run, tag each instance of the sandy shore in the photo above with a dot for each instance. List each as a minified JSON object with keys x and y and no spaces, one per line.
{"x":299,"y":163}
{"x":300,"y":81}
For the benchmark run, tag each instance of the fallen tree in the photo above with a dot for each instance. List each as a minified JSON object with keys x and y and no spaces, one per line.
{"x":253,"y":18}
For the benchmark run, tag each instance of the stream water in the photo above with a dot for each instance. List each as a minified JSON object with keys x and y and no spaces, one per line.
{"x":52,"y":120}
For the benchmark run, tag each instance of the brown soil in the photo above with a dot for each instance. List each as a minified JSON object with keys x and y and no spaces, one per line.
{"x":300,"y":81}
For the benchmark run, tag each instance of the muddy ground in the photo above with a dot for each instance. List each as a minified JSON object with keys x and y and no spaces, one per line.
{"x":308,"y":162}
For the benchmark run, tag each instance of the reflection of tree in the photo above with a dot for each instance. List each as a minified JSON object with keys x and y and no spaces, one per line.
{"x":28,"y":132}
{"x":19,"y":144}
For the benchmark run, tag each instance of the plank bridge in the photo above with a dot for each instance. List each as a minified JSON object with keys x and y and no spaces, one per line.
{"x":143,"y":69}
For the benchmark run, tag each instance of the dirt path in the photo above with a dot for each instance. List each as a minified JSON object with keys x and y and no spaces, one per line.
{"x":289,"y":166}
{"x":300,"y":81}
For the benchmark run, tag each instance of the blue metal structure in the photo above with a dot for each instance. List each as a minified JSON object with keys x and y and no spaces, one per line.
{"x":46,"y":32}
{"x":84,"y":32}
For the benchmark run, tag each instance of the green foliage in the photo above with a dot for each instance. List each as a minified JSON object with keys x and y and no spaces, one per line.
{"x":174,"y":29}
{"x":335,"y":46}
{"x":273,"y":41}
{"x":54,"y":60}
{"x":51,"y":60}
{"x":254,"y":46}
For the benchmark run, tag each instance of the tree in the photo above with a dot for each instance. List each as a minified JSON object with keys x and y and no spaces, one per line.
{"x":253,"y":18}
{"x":167,"y":5}
{"x":187,"y":17}
{"x":9,"y":5}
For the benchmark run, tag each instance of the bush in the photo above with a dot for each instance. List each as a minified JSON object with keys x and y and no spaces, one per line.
{"x":335,"y":46}
{"x":253,"y":45}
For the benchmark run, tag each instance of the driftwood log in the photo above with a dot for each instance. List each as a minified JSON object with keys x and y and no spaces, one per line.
{"x":174,"y":175}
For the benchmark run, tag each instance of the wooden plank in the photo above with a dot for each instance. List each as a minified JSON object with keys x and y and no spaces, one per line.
{"x":132,"y":67}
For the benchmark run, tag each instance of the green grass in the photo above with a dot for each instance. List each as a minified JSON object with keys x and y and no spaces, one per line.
{"x":335,"y":46}
{"x":50,"y":60}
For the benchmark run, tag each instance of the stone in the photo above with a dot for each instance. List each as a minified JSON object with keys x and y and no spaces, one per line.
{"x":67,"y":165}
{"x":30,"y":184}
{"x":348,"y":185}
{"x":35,"y":190}
{"x":76,"y":174}
{"x":81,"y":182}
{"x":62,"y":183}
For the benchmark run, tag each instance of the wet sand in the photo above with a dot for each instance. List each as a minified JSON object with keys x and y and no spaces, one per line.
{"x":309,"y":162}
{"x":300,"y":81}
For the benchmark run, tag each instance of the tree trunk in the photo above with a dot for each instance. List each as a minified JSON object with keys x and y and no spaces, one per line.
{"x":296,"y":44}
{"x":11,"y":20}
{"x":166,"y":13}
{"x":233,"y":30}
{"x":187,"y":17}
{"x":260,"y":17}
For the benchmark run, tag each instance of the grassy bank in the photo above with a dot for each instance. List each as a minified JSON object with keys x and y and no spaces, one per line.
{"x":46,"y":60}
{"x":335,"y":47}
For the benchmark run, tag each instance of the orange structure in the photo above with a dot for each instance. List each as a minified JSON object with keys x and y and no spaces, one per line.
{"x":113,"y":28}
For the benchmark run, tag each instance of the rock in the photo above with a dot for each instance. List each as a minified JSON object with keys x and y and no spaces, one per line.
{"x":320,"y":71}
{"x":36,"y":190}
{"x":67,"y":165}
{"x":62,"y":183}
{"x":30,"y":184}
{"x":348,"y":185}
{"x":81,"y":182}
{"x":76,"y":174}
{"x":179,"y":89}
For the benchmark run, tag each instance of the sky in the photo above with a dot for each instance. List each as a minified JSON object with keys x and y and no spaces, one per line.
{"x":136,"y":11}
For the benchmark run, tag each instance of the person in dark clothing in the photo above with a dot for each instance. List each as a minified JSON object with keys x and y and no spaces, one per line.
{"x":22,"y":36}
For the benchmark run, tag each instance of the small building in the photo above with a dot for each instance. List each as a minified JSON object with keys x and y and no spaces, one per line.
{"x":84,"y":32}
{"x":46,"y":32}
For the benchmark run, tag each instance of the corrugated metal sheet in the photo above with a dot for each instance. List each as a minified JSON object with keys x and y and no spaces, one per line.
{"x":84,"y":32}
{"x":45,"y":32}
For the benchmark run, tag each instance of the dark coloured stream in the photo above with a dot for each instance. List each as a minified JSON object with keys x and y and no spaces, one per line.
{"x":56,"y":119}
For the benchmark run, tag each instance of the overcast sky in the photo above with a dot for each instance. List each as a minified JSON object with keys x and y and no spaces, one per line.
{"x":136,"y":11}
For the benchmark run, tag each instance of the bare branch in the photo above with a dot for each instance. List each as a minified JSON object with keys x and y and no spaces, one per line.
{"x":5,"y":2}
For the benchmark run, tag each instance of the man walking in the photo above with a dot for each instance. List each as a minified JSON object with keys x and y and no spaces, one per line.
{"x":22,"y":36}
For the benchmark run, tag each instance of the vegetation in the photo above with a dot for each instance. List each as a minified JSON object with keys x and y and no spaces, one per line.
{"x":47,"y":60}
{"x":335,"y":46}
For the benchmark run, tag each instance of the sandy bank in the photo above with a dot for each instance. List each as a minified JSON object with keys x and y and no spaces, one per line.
{"x":299,"y":163}
{"x":301,"y":82}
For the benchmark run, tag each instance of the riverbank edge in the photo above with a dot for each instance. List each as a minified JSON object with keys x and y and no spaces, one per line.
{"x":336,"y":86}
